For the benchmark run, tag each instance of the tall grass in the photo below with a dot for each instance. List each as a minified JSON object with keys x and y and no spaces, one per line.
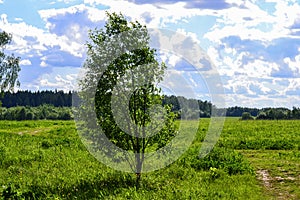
{"x":46,"y":160}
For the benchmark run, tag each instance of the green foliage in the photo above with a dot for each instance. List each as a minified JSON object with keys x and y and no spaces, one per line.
{"x":238,"y":111}
{"x":262,"y":115}
{"x":215,"y":173}
{"x":226,"y":159}
{"x":246,"y":116}
{"x":278,"y":113}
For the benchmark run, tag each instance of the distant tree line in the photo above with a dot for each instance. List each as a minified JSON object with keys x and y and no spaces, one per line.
{"x":200,"y":109}
{"x":273,"y":114}
{"x":194,"y":108}
{"x":57,"y":102}
{"x":238,"y":111}
{"x":34,"y":99}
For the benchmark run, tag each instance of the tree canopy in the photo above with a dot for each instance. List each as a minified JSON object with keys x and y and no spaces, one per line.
{"x":9,"y":65}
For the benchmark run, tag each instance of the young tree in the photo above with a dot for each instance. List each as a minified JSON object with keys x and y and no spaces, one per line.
{"x":9,"y":65}
{"x":127,"y":101}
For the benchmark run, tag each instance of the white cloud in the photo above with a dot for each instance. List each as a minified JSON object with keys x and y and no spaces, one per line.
{"x":262,"y":92}
{"x":258,"y":68}
{"x":260,"y":26}
{"x":66,"y":1}
{"x":4,"y":19}
{"x":29,"y":86}
{"x":177,"y":45}
{"x":40,"y":40}
{"x":71,"y":25}
{"x":232,"y":63}
{"x":59,"y":79}
{"x":173,"y":60}
{"x":71,"y":77}
{"x":25,"y":62}
{"x":189,"y":34}
{"x":160,"y":15}
{"x":43,"y":64}
{"x":175,"y":83}
{"x":94,"y":14}
{"x":22,"y":30}
{"x":294,"y":84}
{"x":18,"y":19}
{"x":261,"y":101}
{"x":294,"y":65}
{"x":286,"y":13}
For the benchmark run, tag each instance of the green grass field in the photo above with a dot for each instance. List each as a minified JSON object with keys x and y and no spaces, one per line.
{"x":252,"y":160}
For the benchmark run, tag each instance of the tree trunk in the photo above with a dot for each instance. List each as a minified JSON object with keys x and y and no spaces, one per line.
{"x":137,"y":180}
{"x":138,"y":170}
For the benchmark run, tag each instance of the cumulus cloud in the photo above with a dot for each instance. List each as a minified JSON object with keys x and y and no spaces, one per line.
{"x":25,"y":62}
{"x":28,"y":39}
{"x":294,"y":65}
{"x":60,"y":78}
{"x":4,"y":18}
{"x":257,"y":92}
{"x":263,"y":26}
{"x":72,"y":25}
{"x":178,"y":46}
{"x":66,"y":1}
{"x":208,"y":4}
{"x":180,"y":84}
{"x":254,"y":58}
{"x":154,"y":14}
{"x":43,"y":64}
{"x":18,"y":19}
{"x":204,"y":4}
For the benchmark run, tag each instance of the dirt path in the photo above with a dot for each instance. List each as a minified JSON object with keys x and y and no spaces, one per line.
{"x":36,"y":131}
{"x":30,"y":132}
{"x":278,"y":172}
{"x":264,"y":176}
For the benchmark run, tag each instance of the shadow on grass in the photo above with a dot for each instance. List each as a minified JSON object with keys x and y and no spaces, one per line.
{"x":95,"y":188}
{"x":87,"y":189}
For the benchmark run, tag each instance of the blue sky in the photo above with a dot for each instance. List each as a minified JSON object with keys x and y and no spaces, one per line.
{"x":254,"y":44}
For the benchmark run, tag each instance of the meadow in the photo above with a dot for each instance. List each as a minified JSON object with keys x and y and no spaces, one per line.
{"x":252,"y":160}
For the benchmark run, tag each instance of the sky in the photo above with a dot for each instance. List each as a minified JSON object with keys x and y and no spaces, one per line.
{"x":254,"y":45}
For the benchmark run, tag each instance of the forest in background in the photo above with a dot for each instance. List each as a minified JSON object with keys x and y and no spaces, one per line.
{"x":28,"y":105}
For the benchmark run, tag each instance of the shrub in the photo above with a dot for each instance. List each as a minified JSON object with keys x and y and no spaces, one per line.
{"x":262,"y":115}
{"x":220,"y":158}
{"x":247,"y":116}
